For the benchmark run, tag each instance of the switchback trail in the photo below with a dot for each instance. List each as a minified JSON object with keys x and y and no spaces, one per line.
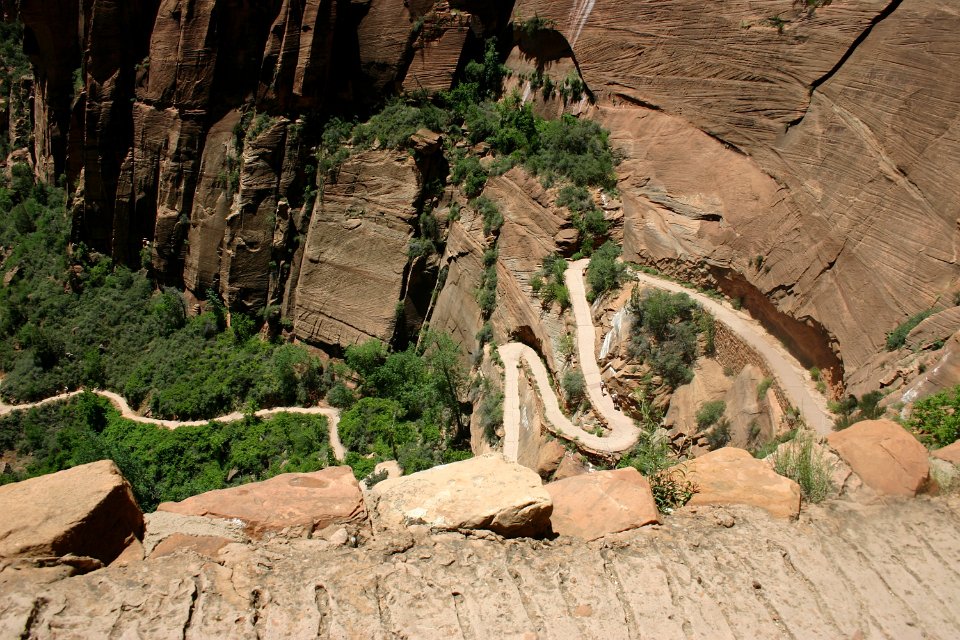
{"x":790,"y":375}
{"x":333,"y":415}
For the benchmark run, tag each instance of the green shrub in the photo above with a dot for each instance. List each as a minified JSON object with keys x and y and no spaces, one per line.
{"x":605,"y":273}
{"x":936,"y":419}
{"x":710,"y":413}
{"x":490,"y":212}
{"x":763,"y":387}
{"x":654,"y":459}
{"x":898,"y":337}
{"x":577,"y":150}
{"x":803,"y":462}
{"x":719,"y":436}
{"x":574,"y":387}
{"x":397,"y":121}
{"x":665,"y":333}
{"x":468,"y":172}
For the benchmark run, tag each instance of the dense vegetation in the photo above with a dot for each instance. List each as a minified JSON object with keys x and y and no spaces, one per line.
{"x":898,"y":337}
{"x":666,"y":333}
{"x":67,"y":322}
{"x":162,"y":464}
{"x":406,"y":407}
{"x":936,"y":419}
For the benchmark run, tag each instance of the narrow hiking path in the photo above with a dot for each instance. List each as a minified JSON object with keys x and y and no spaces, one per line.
{"x":623,"y":433}
{"x":118,"y":401}
{"x":792,"y":377}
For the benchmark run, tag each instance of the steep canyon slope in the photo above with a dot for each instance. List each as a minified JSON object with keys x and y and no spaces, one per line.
{"x":796,"y":155}
{"x":799,"y":157}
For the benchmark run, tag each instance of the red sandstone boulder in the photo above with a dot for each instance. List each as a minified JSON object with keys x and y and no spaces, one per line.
{"x":592,"y":505}
{"x":886,"y":456}
{"x":309,"y":501}
{"x":949,"y":453}
{"x":733,"y":476}
{"x":486,"y":492}
{"x":84,"y":511}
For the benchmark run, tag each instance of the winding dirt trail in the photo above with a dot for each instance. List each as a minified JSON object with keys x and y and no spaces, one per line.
{"x":789,"y":373}
{"x":623,"y":433}
{"x":792,"y":377}
{"x":333,"y":415}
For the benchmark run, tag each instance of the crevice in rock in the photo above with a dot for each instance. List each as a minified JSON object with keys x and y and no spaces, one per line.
{"x":32,"y":617}
{"x":194,"y":595}
{"x":629,"y":616}
{"x":463,"y":617}
{"x":877,"y":19}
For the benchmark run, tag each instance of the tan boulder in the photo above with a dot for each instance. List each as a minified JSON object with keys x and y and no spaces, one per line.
{"x":309,"y":501}
{"x":733,"y":476}
{"x":886,"y":456}
{"x":85,"y":511}
{"x":549,"y":457}
{"x":592,"y":505}
{"x":949,"y":453}
{"x":570,"y":466}
{"x":486,"y":492}
{"x":709,"y":383}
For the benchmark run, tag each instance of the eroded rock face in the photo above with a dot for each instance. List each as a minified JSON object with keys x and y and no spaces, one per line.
{"x":592,"y":505}
{"x":84,"y":511}
{"x":352,"y":273}
{"x":732,"y":476}
{"x":298,"y":501}
{"x":485,"y":492}
{"x":885,"y":456}
{"x":750,"y":120}
{"x":949,"y":453}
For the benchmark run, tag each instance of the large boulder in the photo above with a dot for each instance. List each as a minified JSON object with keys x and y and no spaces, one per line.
{"x":301,"y":502}
{"x":949,"y":453}
{"x":886,"y":456}
{"x":485,"y":492}
{"x":733,"y":476}
{"x":85,"y":511}
{"x":592,"y":505}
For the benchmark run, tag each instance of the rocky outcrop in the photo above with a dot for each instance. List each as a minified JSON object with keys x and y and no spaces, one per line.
{"x":731,"y":476}
{"x":885,"y":456}
{"x":485,"y":492}
{"x":949,"y":453}
{"x":740,"y":101}
{"x":593,"y":505}
{"x":355,"y":258}
{"x":304,"y":502}
{"x":764,"y":577}
{"x":86,"y":511}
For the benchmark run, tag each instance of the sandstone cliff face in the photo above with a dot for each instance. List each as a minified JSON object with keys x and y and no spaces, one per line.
{"x":814,"y":155}
{"x":155,"y":110}
{"x":798,"y":159}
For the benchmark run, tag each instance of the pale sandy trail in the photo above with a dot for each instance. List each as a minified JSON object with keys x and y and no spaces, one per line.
{"x":332,"y":415}
{"x":788,"y":372}
{"x":790,"y":375}
{"x":623,"y":432}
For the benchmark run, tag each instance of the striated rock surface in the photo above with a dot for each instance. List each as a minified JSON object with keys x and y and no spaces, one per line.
{"x":885,"y":456}
{"x":302,"y":501}
{"x":949,"y":453}
{"x":355,"y":258}
{"x":730,"y":476}
{"x":762,"y":578}
{"x":801,"y":142}
{"x":485,"y":492}
{"x":84,"y":511}
{"x":593,"y":505}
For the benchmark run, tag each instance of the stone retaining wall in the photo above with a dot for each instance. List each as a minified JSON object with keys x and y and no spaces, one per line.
{"x":733,"y":352}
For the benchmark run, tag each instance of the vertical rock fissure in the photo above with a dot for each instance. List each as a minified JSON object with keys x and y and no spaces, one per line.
{"x":877,"y":19}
